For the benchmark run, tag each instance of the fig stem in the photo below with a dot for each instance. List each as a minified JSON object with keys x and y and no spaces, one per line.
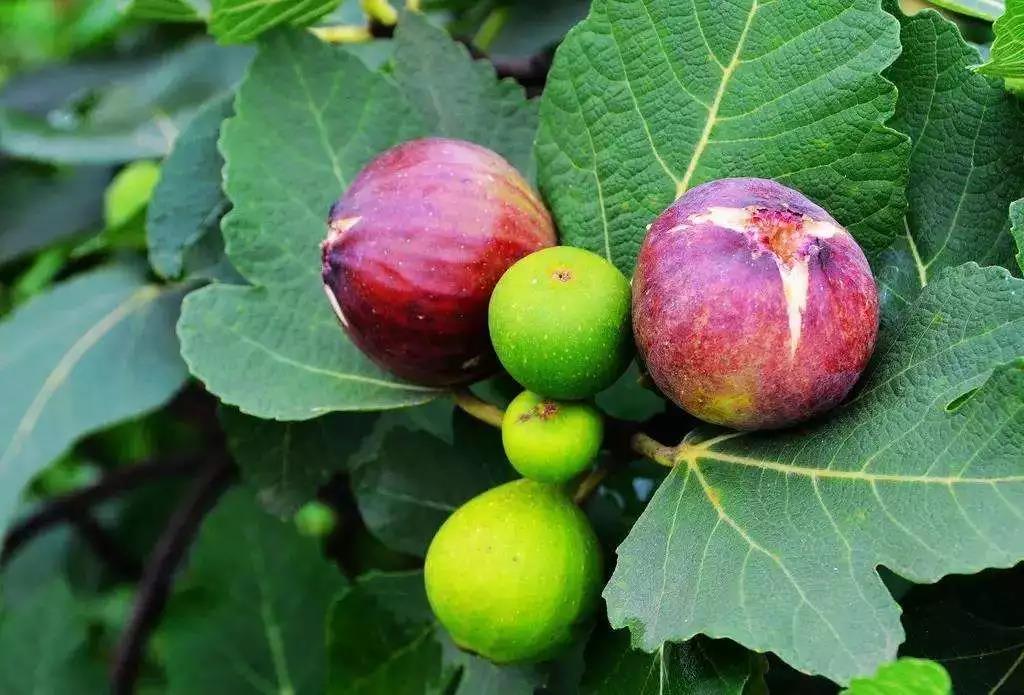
{"x":639,"y":443}
{"x":478,"y":408}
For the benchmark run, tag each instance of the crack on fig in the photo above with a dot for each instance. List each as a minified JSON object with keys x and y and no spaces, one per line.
{"x":545,"y":410}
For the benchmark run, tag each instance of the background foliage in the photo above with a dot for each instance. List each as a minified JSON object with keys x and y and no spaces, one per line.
{"x":205,"y":488}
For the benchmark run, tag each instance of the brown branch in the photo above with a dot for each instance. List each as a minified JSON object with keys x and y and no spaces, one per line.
{"x":158,"y":575}
{"x":73,"y":505}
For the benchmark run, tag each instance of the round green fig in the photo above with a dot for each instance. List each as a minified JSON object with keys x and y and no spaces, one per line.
{"x":550,"y":441}
{"x":559,"y":321}
{"x":514,"y":572}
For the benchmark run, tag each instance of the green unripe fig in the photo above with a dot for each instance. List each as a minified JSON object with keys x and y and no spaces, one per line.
{"x":315,"y":519}
{"x":513,"y":572}
{"x":559,"y":321}
{"x":550,"y":441}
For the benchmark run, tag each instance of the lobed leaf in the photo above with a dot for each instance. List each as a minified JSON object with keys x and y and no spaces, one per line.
{"x":95,"y":350}
{"x":982,"y":9}
{"x":267,"y":591}
{"x":967,"y":162}
{"x":646,"y":99}
{"x":1017,"y":229}
{"x":1007,"y":57}
{"x":772,"y":539}
{"x":307,"y":117}
{"x":188,"y":202}
{"x":462,"y":98}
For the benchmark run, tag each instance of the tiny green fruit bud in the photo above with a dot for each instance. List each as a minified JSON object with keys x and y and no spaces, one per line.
{"x":559,"y":321}
{"x":514,"y":572}
{"x":315,"y":519}
{"x":550,"y":441}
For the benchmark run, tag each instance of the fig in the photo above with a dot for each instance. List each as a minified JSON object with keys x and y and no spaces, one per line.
{"x":559,"y":321}
{"x":550,"y":441}
{"x":752,"y":307}
{"x":414,"y":248}
{"x":514,"y":573}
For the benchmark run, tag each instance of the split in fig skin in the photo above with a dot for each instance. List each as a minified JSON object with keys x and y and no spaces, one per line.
{"x":752,"y":307}
{"x":413,"y":251}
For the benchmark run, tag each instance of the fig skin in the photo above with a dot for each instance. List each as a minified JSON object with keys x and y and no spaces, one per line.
{"x":559,"y":320}
{"x":514,"y":573}
{"x":413,"y":251}
{"x":752,"y":307}
{"x":551,"y":441}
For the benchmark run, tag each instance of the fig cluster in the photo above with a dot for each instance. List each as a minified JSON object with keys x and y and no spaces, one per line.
{"x":750,"y":307}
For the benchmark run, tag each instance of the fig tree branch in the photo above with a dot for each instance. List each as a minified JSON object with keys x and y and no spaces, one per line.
{"x":71,"y":506}
{"x":621,"y":439}
{"x":160,"y":569}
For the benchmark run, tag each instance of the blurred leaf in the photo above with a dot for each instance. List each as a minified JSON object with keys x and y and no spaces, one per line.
{"x":628,"y":399}
{"x":288,"y":461}
{"x":137,"y":118}
{"x":417,"y":480}
{"x":39,"y":207}
{"x":646,"y":100}
{"x":702,"y":665}
{"x":94,"y":350}
{"x":400,"y":655}
{"x":462,"y":98}
{"x":904,"y":677}
{"x":982,"y":9}
{"x":188,"y":202}
{"x":407,"y":652}
{"x":967,"y":164}
{"x":1007,"y":56}
{"x":308,"y":116}
{"x":129,"y":192}
{"x":237,"y":21}
{"x":531,"y":25}
{"x":169,"y":10}
{"x":267,"y":590}
{"x":42,"y":642}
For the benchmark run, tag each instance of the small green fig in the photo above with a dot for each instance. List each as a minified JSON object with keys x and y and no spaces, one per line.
{"x":514,"y":572}
{"x":559,"y":321}
{"x":550,"y":441}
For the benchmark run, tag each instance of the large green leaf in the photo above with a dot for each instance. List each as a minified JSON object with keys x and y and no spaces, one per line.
{"x":904,"y":677}
{"x":649,"y":98}
{"x":237,"y":21}
{"x":308,"y":117}
{"x":169,"y":10}
{"x":416,"y":480}
{"x":1007,"y":56}
{"x":288,"y":461}
{"x":94,"y":350}
{"x":982,"y":9}
{"x":773,"y":539}
{"x":42,"y":643}
{"x":462,"y":98}
{"x":136,"y":118}
{"x":39,"y":207}
{"x":266,"y":591}
{"x":709,"y":667}
{"x":967,"y":162}
{"x":188,"y":202}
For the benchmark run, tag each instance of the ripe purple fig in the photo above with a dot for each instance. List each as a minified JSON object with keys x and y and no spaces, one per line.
{"x":414,"y":249}
{"x":752,"y":307}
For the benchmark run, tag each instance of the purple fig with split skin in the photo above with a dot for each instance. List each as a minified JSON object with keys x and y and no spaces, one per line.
{"x":752,"y":307}
{"x":414,"y":249}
